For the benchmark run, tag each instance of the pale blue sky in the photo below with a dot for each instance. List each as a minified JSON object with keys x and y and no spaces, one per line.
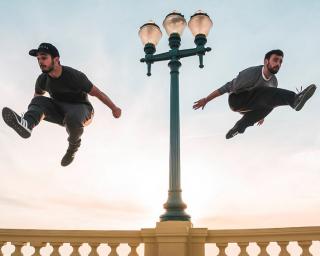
{"x":119,"y":179}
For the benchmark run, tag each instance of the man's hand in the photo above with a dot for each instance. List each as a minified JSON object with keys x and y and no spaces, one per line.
{"x":116,"y":112}
{"x":260,"y":122}
{"x":200,"y":103}
{"x":203,"y":102}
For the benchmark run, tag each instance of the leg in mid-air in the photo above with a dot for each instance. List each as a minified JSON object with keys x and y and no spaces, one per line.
{"x":259,"y":102}
{"x":73,"y":116}
{"x":249,"y":119}
{"x":39,"y":108}
{"x":76,"y":117}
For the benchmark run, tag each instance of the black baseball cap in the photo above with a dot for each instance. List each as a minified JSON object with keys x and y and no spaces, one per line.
{"x":45,"y":48}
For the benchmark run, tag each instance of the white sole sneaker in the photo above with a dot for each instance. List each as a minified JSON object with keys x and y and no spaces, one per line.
{"x":12,"y":119}
{"x":307,"y":95}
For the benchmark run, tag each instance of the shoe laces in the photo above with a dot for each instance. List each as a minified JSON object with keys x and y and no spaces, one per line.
{"x":22,"y":116}
{"x":24,"y":122}
{"x":299,"y":90}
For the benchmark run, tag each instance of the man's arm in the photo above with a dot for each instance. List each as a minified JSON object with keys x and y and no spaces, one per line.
{"x":216,"y":93}
{"x":202,"y":102}
{"x":39,"y":87}
{"x":116,"y":111}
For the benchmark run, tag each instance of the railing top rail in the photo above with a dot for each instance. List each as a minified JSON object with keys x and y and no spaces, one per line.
{"x":102,"y":236}
{"x":264,"y":235}
{"x":134,"y":236}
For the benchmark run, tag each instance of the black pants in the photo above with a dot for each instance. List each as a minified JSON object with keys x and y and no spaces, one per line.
{"x":256,"y":104}
{"x":73,"y":116}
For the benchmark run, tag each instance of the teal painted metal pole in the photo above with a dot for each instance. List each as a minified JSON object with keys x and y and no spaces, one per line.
{"x":174,"y":206}
{"x":174,"y":162}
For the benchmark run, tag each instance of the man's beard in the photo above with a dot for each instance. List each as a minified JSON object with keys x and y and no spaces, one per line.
{"x":273,"y":70}
{"x":50,"y":68}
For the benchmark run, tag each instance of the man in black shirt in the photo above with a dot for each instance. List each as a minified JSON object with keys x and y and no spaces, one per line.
{"x":68,"y":104}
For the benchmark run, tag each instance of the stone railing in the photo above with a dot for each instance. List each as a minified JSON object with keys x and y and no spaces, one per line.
{"x":57,"y":238}
{"x":263,"y":238}
{"x":171,"y":238}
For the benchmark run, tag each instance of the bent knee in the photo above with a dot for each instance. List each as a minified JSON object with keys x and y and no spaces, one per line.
{"x":40,"y":100}
{"x":73,"y":121}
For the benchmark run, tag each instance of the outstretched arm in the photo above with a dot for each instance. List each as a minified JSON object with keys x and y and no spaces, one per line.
{"x":116,"y":111}
{"x":202,"y":102}
{"x":222,"y":90}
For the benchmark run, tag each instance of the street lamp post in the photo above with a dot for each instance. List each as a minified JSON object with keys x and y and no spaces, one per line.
{"x":150,"y":34}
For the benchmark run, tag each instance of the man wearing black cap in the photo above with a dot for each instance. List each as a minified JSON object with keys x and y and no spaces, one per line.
{"x":254,"y":93}
{"x":68,"y":104}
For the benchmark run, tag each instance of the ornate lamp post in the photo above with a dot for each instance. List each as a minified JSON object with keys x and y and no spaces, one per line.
{"x":150,"y":34}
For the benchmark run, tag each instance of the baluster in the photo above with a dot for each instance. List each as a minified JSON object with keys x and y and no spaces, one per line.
{"x":305,"y":245}
{"x":243,"y":248}
{"x":37,"y":247}
{"x":75,"y":249}
{"x":133,"y":247}
{"x":283,"y":245}
{"x":222,"y":249}
{"x":263,"y":248}
{"x":113,"y":247}
{"x":17,"y":250}
{"x":1,"y":244}
{"x":55,"y":247}
{"x":94,"y":249}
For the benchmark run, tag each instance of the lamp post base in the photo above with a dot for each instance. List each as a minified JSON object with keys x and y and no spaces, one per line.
{"x":175,"y":208}
{"x":176,"y":215}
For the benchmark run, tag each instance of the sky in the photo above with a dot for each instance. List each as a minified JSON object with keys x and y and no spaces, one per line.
{"x":267,"y":177}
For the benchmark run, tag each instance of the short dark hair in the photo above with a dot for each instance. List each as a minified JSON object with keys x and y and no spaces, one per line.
{"x":276,"y":52}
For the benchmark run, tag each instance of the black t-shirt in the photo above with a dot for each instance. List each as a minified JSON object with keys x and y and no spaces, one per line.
{"x":72,"y":86}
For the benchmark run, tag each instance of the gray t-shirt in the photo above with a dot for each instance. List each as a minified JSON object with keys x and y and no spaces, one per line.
{"x":247,"y":80}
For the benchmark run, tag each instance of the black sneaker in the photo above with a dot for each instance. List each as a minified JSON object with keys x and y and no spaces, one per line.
{"x":303,"y":96}
{"x":68,"y":157}
{"x":233,"y":132}
{"x":16,"y":122}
